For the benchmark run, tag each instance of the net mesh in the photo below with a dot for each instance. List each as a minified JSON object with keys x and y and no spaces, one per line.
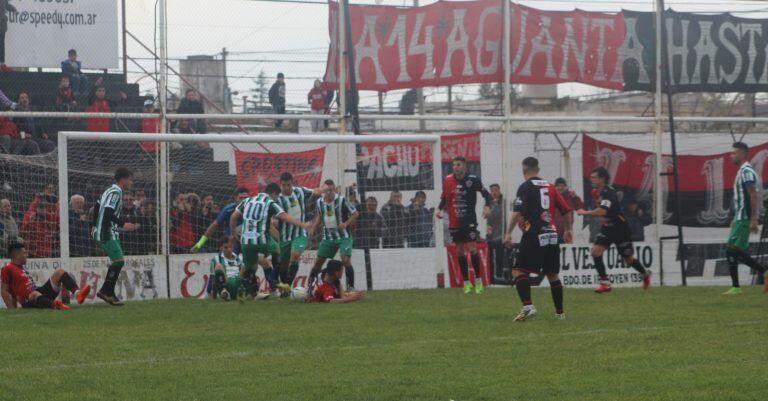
{"x":203,"y":178}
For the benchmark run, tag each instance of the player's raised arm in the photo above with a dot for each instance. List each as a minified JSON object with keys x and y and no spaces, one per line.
{"x":233,"y":222}
{"x":353,"y":215}
{"x":287,"y":218}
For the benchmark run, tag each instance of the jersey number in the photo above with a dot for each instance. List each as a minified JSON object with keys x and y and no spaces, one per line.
{"x":544,"y":198}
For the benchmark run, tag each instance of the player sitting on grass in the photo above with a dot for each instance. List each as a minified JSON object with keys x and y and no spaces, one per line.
{"x":227,"y":267}
{"x":19,"y":289}
{"x":328,"y":289}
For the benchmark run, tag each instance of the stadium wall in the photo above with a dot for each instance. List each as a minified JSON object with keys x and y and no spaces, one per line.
{"x":148,"y":277}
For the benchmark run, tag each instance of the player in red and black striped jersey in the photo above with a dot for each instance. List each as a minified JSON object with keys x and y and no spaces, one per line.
{"x":18,"y":288}
{"x":459,"y":200}
{"x":614,"y":229}
{"x":536,"y":203}
{"x":328,"y":289}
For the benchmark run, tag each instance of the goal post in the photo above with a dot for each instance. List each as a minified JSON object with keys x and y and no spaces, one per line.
{"x":211,"y":165}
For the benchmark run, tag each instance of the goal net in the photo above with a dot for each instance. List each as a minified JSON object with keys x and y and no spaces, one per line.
{"x":183,"y":182}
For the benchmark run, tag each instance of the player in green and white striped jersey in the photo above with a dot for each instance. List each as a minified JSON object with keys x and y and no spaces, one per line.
{"x":335,"y":214}
{"x":745,"y":208}
{"x":293,"y":239}
{"x":254,"y":216}
{"x":107,"y":221}
{"x":226,"y":268}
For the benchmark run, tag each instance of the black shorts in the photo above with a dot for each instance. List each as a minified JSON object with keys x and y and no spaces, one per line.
{"x":534,"y":258}
{"x":620,"y":236}
{"x":46,"y":290}
{"x":465,"y":234}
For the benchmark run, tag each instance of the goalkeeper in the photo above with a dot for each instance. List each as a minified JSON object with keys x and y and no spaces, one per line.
{"x":227,"y":268}
{"x":222,"y":220}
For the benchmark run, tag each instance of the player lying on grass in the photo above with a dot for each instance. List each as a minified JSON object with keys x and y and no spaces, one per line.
{"x":227,"y":268}
{"x":536,"y":203}
{"x":19,"y":289}
{"x":328,"y":289}
{"x":254,"y":216}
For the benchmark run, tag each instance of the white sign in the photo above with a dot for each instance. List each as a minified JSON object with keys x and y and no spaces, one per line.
{"x":41,"y":32}
{"x":190,"y":274}
{"x":578,"y":271}
{"x":142,"y":277}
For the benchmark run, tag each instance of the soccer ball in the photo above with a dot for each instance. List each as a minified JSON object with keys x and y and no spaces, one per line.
{"x":299,"y":294}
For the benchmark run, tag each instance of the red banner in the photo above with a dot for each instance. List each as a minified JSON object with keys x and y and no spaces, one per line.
{"x":449,"y":43}
{"x":256,"y":170}
{"x":706,"y":187}
{"x":466,"y":145}
{"x":454,"y":271}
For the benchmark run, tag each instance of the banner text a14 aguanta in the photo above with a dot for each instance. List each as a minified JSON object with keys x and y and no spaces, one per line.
{"x":449,"y":43}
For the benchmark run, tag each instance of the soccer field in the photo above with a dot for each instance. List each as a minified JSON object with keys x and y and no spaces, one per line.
{"x":664,"y":344}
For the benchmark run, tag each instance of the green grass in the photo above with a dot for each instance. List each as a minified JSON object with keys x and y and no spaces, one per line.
{"x":665,"y":344}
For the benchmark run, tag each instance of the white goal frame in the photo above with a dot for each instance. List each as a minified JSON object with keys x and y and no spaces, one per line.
{"x":63,"y":169}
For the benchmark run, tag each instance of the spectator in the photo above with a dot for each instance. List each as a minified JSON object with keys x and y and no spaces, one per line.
{"x":31,"y":129}
{"x":147,"y":231}
{"x":370,"y":226}
{"x":419,"y":222}
{"x":277,"y":97}
{"x":12,"y":141}
{"x":182,"y":232}
{"x":184,"y":127}
{"x":140,"y":196}
{"x":196,"y":216}
{"x":191,"y":105}
{"x":130,"y":213}
{"x":637,"y":219}
{"x":40,"y":227}
{"x":71,"y":67}
{"x":5,"y":5}
{"x":9,"y":230}
{"x":496,"y":230}
{"x":100,"y":104}
{"x":573,"y":201}
{"x":150,"y":126}
{"x":396,"y":219}
{"x":79,"y":227}
{"x":65,"y":100}
{"x":316,"y":98}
